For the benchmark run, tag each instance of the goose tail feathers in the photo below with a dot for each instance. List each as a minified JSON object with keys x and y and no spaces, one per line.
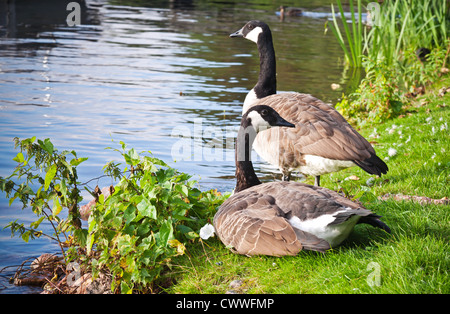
{"x":374,"y":221}
{"x":373,"y":165}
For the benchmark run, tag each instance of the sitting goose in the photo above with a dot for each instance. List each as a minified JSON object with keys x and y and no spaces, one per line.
{"x":323,"y":140}
{"x":282,"y":218}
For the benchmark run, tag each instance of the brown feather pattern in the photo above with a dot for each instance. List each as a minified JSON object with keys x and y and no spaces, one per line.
{"x":320,"y":131}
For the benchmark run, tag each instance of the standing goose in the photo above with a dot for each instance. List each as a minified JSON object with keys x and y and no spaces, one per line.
{"x":323,"y":140}
{"x":282,"y":218}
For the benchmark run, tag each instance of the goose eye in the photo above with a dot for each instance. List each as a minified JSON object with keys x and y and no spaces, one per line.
{"x":264,"y":112}
{"x":250,"y":26}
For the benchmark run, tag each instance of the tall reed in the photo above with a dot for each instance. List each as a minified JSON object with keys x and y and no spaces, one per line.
{"x":354,"y":40}
{"x":399,"y":25}
{"x":393,"y":55}
{"x":405,"y":24}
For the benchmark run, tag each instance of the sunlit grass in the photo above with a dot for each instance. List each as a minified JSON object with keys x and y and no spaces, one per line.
{"x":420,"y":145}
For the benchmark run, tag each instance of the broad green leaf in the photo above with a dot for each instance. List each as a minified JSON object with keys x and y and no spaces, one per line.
{"x":67,"y":165}
{"x":129,"y":214}
{"x":56,"y":207}
{"x":49,"y":176}
{"x":46,"y":145}
{"x":144,"y":228}
{"x":116,"y":222}
{"x":125,"y":289}
{"x":19,"y":158}
{"x":27,"y":190}
{"x":81,"y":236}
{"x":155,"y":161}
{"x":76,"y":161}
{"x":185,"y":190}
{"x":134,"y":154}
{"x":165,"y":232}
{"x":90,"y":242}
{"x":36,"y":223}
{"x":63,"y":187}
{"x":147,"y":209}
{"x":26,"y":236}
{"x":132,"y":157}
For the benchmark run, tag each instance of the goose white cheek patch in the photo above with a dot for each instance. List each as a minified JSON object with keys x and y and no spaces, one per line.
{"x":258,"y":123}
{"x":254,"y":34}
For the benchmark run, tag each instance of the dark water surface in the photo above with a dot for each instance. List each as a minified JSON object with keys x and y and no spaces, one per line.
{"x":143,"y":72}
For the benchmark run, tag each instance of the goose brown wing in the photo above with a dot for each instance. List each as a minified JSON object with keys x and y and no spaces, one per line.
{"x":303,"y":200}
{"x":320,"y":130}
{"x":251,"y":225}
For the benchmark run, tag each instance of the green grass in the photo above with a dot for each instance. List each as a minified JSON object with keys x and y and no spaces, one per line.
{"x":413,"y":259}
{"x":422,"y":143}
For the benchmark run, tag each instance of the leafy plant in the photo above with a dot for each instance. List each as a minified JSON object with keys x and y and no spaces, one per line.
{"x":48,"y":183}
{"x":398,"y":26}
{"x":377,"y":97}
{"x":152,"y":213}
{"x":416,"y":73}
{"x":146,"y":221}
{"x":391,"y":63}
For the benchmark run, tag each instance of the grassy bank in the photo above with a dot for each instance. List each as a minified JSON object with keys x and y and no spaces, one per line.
{"x":413,"y":259}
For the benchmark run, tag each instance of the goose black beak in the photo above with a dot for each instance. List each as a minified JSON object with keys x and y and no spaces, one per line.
{"x":282,"y":122}
{"x":237,"y":34}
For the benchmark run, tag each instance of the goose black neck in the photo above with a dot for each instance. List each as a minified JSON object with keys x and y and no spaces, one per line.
{"x":267,"y":82}
{"x":245,"y":173}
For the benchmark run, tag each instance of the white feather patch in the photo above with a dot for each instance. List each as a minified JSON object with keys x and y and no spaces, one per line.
{"x":249,"y":100}
{"x":254,"y":34}
{"x":258,"y":123}
{"x":207,"y":231}
{"x":333,"y":234}
{"x":316,"y":165}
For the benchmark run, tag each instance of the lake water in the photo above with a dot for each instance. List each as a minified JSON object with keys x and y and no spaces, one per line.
{"x":146,"y":73}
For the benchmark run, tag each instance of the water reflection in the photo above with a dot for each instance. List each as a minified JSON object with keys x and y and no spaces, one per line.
{"x":134,"y":71}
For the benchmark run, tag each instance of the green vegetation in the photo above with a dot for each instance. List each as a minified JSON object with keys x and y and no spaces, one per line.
{"x":48,"y":183}
{"x":398,"y":24}
{"x":415,"y":146}
{"x":398,"y":62}
{"x":354,"y":40}
{"x":152,"y":213}
{"x":147,"y":220}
